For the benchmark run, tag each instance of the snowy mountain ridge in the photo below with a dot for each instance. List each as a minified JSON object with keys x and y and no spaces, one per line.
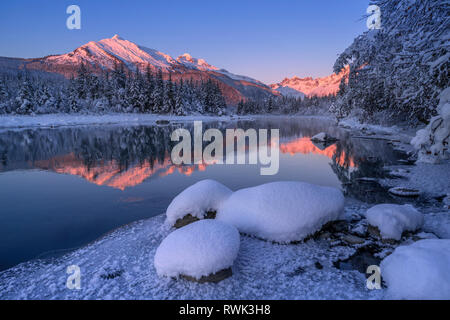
{"x":308,"y":86}
{"x":107,"y":51}
{"x":104,"y":55}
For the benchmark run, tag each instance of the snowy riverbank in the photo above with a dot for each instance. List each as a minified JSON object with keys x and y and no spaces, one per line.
{"x":120,"y":266}
{"x":60,"y":120}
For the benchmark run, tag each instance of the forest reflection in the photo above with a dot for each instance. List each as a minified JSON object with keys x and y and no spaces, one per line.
{"x":125,"y":156}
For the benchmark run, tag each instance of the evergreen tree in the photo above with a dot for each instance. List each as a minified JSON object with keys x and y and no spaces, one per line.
{"x":24,"y":100}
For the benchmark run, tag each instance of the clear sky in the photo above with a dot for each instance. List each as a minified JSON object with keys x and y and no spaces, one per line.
{"x":266,"y":40}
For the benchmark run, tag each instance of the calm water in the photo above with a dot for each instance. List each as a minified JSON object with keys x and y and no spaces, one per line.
{"x":63,"y":188}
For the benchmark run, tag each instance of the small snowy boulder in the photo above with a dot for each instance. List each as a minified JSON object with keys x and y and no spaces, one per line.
{"x":196,"y":202}
{"x":322,"y":137}
{"x":202,"y":249}
{"x":282,"y":212}
{"x":393,"y":219}
{"x":418,"y":271}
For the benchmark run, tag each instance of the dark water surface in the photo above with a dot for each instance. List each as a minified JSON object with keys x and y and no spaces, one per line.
{"x":63,"y":188}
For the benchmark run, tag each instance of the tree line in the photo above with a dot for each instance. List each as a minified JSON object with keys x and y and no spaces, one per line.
{"x":117,"y":90}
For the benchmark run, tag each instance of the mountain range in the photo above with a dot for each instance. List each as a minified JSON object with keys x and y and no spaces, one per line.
{"x":320,"y":87}
{"x":102,"y":55}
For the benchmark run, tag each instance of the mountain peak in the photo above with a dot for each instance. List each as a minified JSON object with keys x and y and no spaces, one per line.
{"x":310,"y":86}
{"x":187,"y":57}
{"x":117,"y":37}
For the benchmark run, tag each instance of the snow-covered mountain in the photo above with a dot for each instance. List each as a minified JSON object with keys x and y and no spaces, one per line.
{"x":311,"y":87}
{"x":105,"y":54}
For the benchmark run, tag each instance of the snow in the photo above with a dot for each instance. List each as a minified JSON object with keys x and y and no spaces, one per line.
{"x":124,"y":50}
{"x":262,"y":270}
{"x":282,"y":211}
{"x":438,"y":223}
{"x":290,"y":92}
{"x":393,"y":219}
{"x":418,"y":271}
{"x":431,"y":179}
{"x":322,"y":137}
{"x":198,"y":249}
{"x":433,"y":141}
{"x":197,"y":200}
{"x":56,"y":120}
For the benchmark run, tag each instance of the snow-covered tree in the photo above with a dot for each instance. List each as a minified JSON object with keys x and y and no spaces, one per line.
{"x":432,"y":143}
{"x":24,"y":99}
{"x":401,"y":68}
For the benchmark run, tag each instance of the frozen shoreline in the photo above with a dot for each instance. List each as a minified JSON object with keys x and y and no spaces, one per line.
{"x":120,"y":266}
{"x":60,"y":120}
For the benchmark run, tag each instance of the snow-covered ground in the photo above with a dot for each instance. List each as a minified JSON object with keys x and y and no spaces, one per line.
{"x":431,"y":179}
{"x":120,"y":266}
{"x":58,"y":120}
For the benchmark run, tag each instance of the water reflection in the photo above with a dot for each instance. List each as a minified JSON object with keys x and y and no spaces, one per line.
{"x":61,"y":188}
{"x":124,"y":157}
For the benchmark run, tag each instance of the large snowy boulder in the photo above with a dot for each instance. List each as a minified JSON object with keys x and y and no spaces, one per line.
{"x":196,"y":201}
{"x":393,"y":219}
{"x":282,"y":211}
{"x":198,"y":250}
{"x":418,"y":271}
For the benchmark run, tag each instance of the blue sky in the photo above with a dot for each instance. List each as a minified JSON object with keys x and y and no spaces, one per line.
{"x":267,"y":40}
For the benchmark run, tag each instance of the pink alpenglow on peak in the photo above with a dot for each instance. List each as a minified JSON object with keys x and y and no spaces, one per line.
{"x":319,"y":87}
{"x":106,"y":54}
{"x":193,"y":63}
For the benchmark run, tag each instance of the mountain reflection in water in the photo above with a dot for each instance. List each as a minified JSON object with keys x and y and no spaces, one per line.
{"x":127,"y":175}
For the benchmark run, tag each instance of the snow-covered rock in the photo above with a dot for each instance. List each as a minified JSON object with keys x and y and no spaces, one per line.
{"x":282,"y":211}
{"x":404,"y":192}
{"x":322,"y":137}
{"x":200,"y":249}
{"x":393,"y":219}
{"x":197,"y":200}
{"x":418,"y":271}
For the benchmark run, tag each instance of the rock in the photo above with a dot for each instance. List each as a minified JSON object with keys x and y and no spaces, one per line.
{"x":360,"y":260}
{"x":337,"y":226}
{"x":446,"y":201}
{"x":188,"y":219}
{"x":198,"y":200}
{"x":214,"y":278}
{"x":324,"y":235}
{"x":318,"y":265}
{"x":367,"y":180}
{"x":353,"y":239}
{"x":374,"y":231}
{"x":404,"y":192}
{"x":359,"y":229}
{"x":323,"y":137}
